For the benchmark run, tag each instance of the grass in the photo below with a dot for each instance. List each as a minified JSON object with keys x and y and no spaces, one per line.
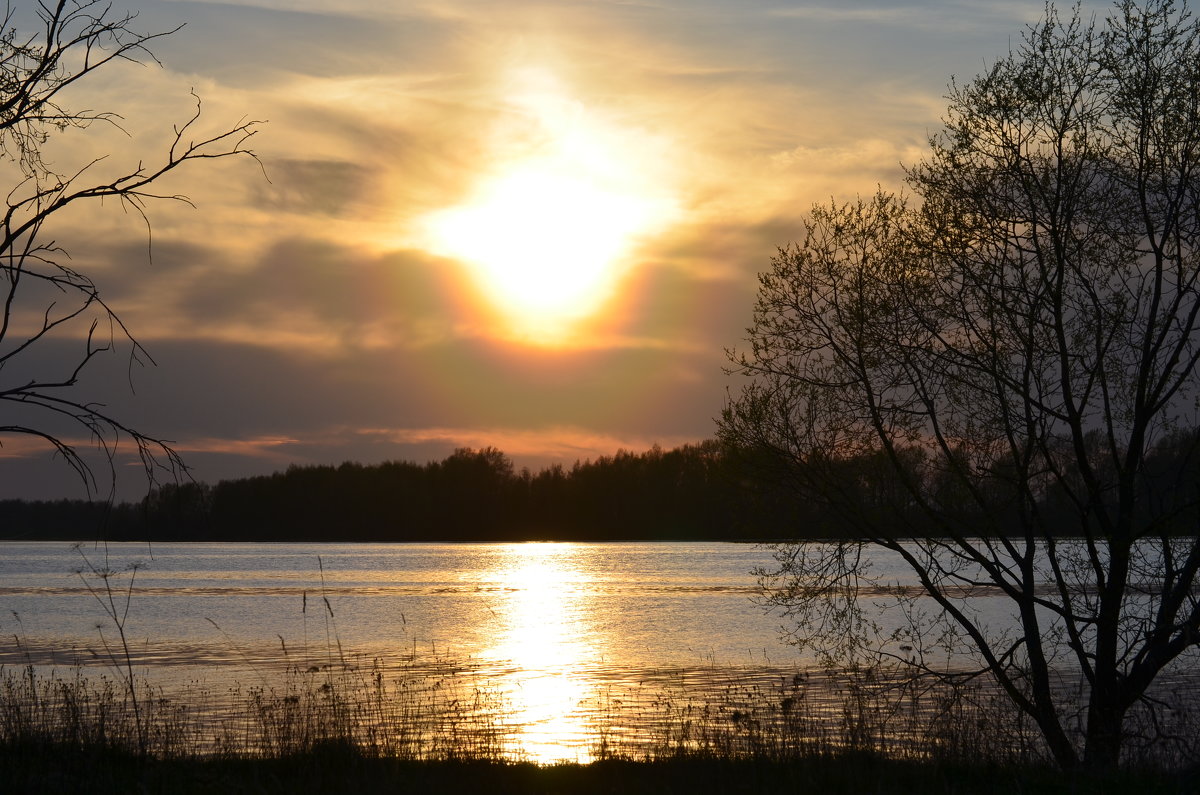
{"x":419,"y":725}
{"x":339,"y":769}
{"x":338,"y":723}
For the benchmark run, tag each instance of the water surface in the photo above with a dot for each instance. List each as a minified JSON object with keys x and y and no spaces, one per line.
{"x":549,"y":625}
{"x":553,"y":629}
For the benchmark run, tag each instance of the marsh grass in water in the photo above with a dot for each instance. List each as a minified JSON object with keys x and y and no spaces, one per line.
{"x":322,"y":720}
{"x":422,"y":724}
{"x":740,"y":713}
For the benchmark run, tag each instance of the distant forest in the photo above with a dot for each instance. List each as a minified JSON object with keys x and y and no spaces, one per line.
{"x":695,"y":492}
{"x":692,"y":492}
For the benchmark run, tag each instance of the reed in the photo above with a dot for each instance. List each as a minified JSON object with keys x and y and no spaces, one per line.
{"x":323,"y":728}
{"x":414,"y":709}
{"x":779,"y":717}
{"x":72,"y":712}
{"x":323,"y":712}
{"x":436,"y":708}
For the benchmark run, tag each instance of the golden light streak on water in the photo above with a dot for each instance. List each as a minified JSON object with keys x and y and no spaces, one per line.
{"x":541,"y":641}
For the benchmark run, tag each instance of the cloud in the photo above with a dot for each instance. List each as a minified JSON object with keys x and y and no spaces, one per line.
{"x":933,"y":17}
{"x":236,"y":409}
{"x":274,"y":448}
{"x":299,"y":317}
{"x":297,"y":294}
{"x":315,"y":187}
{"x":532,"y":447}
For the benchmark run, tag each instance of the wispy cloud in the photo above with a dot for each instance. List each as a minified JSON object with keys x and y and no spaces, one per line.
{"x":290,"y":312}
{"x":565,"y":444}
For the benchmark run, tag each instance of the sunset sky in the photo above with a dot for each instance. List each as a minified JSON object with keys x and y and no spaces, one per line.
{"x":529,"y":225}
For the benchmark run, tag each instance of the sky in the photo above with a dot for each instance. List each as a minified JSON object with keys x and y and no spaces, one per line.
{"x":530,"y":225}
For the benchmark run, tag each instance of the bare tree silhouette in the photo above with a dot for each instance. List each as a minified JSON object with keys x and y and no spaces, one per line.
{"x":991,"y":366}
{"x":44,"y":297}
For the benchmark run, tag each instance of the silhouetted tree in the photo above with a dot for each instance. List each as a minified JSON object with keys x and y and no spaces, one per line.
{"x":43,"y":297}
{"x":175,"y":511}
{"x":693,"y":492}
{"x":1010,"y":345}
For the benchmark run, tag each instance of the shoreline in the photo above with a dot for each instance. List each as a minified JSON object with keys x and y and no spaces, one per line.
{"x":336,"y":770}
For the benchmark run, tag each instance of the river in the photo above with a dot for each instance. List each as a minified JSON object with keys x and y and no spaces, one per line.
{"x":553,"y":629}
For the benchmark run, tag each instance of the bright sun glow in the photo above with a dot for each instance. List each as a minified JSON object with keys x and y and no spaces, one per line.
{"x":547,"y":235}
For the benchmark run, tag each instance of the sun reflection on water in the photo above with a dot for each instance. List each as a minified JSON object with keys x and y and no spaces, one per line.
{"x":542,"y":641}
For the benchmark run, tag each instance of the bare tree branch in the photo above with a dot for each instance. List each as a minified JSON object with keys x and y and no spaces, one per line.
{"x":980,"y":378}
{"x":44,"y":298}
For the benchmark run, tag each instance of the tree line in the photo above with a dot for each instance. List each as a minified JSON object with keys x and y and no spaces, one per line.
{"x":687,"y":493}
{"x":703,"y":491}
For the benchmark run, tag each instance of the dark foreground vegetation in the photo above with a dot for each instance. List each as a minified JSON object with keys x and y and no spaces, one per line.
{"x":417,"y":726}
{"x":695,"y":492}
{"x":336,"y":770}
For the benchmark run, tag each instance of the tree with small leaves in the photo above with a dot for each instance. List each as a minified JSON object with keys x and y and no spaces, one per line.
{"x":1007,"y":350}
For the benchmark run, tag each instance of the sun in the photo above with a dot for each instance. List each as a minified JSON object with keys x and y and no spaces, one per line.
{"x":545,"y":243}
{"x":548,"y":234}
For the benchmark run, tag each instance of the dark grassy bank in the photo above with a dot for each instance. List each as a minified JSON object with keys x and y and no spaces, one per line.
{"x":335,"y":769}
{"x":421,"y":727}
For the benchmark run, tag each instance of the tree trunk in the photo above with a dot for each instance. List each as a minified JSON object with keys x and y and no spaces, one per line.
{"x":1102,"y":748}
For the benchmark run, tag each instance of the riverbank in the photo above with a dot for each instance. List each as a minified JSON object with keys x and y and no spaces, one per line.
{"x":338,"y":769}
{"x":349,"y":729}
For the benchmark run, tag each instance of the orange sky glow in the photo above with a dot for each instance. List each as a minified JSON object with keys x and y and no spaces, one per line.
{"x":530,"y":225}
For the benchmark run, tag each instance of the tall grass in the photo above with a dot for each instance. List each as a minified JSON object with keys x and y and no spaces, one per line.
{"x":331,"y":726}
{"x":436,"y":708}
{"x":326,"y":704}
{"x":739,"y":713}
{"x":414,"y":709}
{"x":71,"y":712}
